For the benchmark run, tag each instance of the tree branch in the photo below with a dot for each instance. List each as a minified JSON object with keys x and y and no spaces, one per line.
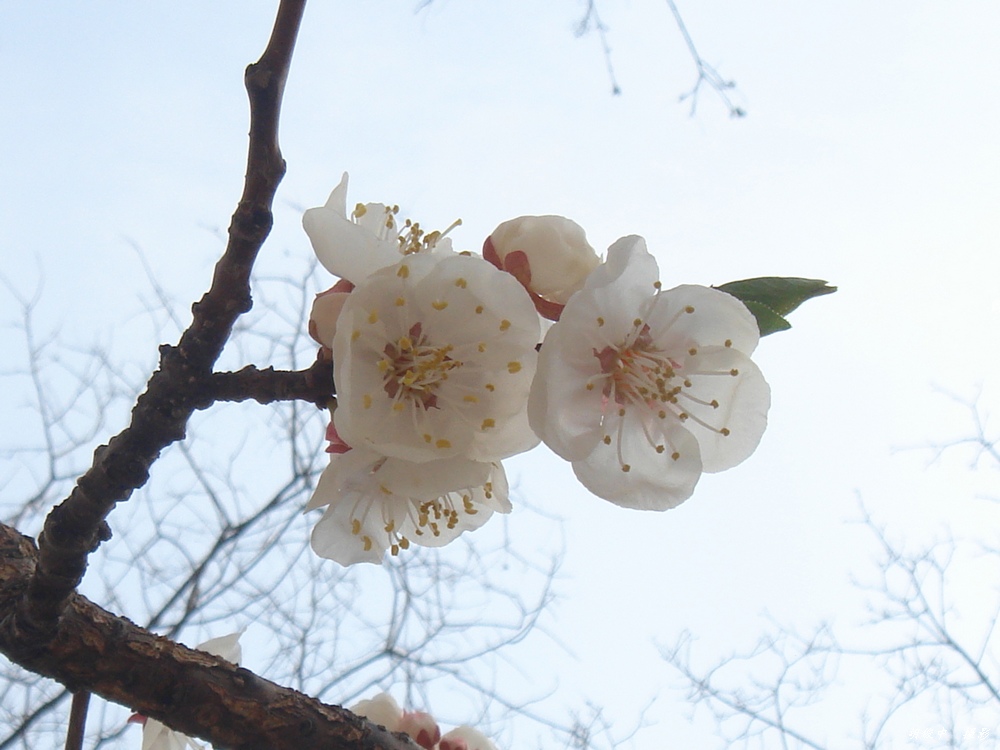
{"x":314,"y":385}
{"x":76,"y":527}
{"x":194,"y":692}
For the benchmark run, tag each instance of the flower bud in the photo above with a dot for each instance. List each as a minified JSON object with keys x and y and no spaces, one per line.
{"x":466,"y":738}
{"x":421,"y":726}
{"x":382,"y":709}
{"x":549,"y":255}
{"x":325,"y":311}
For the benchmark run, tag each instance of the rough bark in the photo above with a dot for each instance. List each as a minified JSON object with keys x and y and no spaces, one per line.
{"x":194,"y":692}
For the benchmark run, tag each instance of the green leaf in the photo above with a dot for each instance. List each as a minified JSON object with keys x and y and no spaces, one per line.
{"x":768,"y":321}
{"x":770,"y":298}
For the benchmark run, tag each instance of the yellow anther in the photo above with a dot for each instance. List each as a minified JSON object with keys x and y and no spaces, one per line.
{"x":461,"y":283}
{"x":442,"y":443}
{"x":600,"y":321}
{"x":355,"y":335}
{"x":689,"y":309}
{"x":734,"y":372}
{"x":488,"y":423}
{"x":368,"y":543}
{"x":660,"y":448}
{"x":469,"y":398}
{"x":439,"y":304}
{"x":373,"y":316}
{"x":403,"y":271}
{"x":513,"y":367}
{"x":360,"y":210}
{"x":479,"y":309}
{"x":504,"y":324}
{"x":400,"y":301}
{"x":355,"y":526}
{"x":366,"y":401}
{"x":729,"y":342}
{"x":675,"y":455}
{"x":626,"y":468}
{"x":725,"y":432}
{"x":607,"y":439}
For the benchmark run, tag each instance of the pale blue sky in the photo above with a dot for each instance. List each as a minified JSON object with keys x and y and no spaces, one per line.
{"x":869,"y":158}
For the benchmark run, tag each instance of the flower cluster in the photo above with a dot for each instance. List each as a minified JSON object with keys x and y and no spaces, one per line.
{"x":420,"y":726}
{"x":642,"y":389}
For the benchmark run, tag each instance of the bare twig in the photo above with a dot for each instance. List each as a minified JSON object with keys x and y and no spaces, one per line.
{"x":706,"y":73}
{"x":77,"y":526}
{"x":77,"y":720}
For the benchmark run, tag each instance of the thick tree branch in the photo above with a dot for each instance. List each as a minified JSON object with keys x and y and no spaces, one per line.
{"x":77,"y":526}
{"x":194,"y":692}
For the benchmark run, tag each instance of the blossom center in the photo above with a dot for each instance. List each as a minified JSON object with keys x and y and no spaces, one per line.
{"x":639,"y":373}
{"x":413,"y":239}
{"x":413,"y":369}
{"x":429,"y":517}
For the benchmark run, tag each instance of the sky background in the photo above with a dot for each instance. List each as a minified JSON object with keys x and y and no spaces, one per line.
{"x":869,"y":158}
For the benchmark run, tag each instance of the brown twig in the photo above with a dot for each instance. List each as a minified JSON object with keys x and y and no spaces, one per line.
{"x":77,"y":526}
{"x":77,"y":720}
{"x":199,"y":694}
{"x":266,"y":386}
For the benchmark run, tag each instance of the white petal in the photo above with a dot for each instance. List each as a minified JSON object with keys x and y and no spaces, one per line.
{"x":655,"y":480}
{"x":431,"y":479}
{"x":743,"y":399}
{"x":466,"y":738}
{"x":628,"y":264}
{"x":226,"y":646}
{"x":157,"y":736}
{"x":382,"y":709}
{"x":348,"y":250}
{"x":717,"y":317}
{"x":561,"y":409}
{"x":332,"y":538}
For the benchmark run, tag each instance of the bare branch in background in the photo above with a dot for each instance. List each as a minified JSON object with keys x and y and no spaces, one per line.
{"x":925,"y":661}
{"x":591,"y":21}
{"x":707,"y":74}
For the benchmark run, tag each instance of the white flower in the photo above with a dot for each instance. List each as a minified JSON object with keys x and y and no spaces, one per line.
{"x":383,"y":710}
{"x":466,"y":738}
{"x":156,"y":735}
{"x":352,"y":247}
{"x":549,"y":255}
{"x":433,"y":359}
{"x":644,"y":389}
{"x":378,"y":503}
